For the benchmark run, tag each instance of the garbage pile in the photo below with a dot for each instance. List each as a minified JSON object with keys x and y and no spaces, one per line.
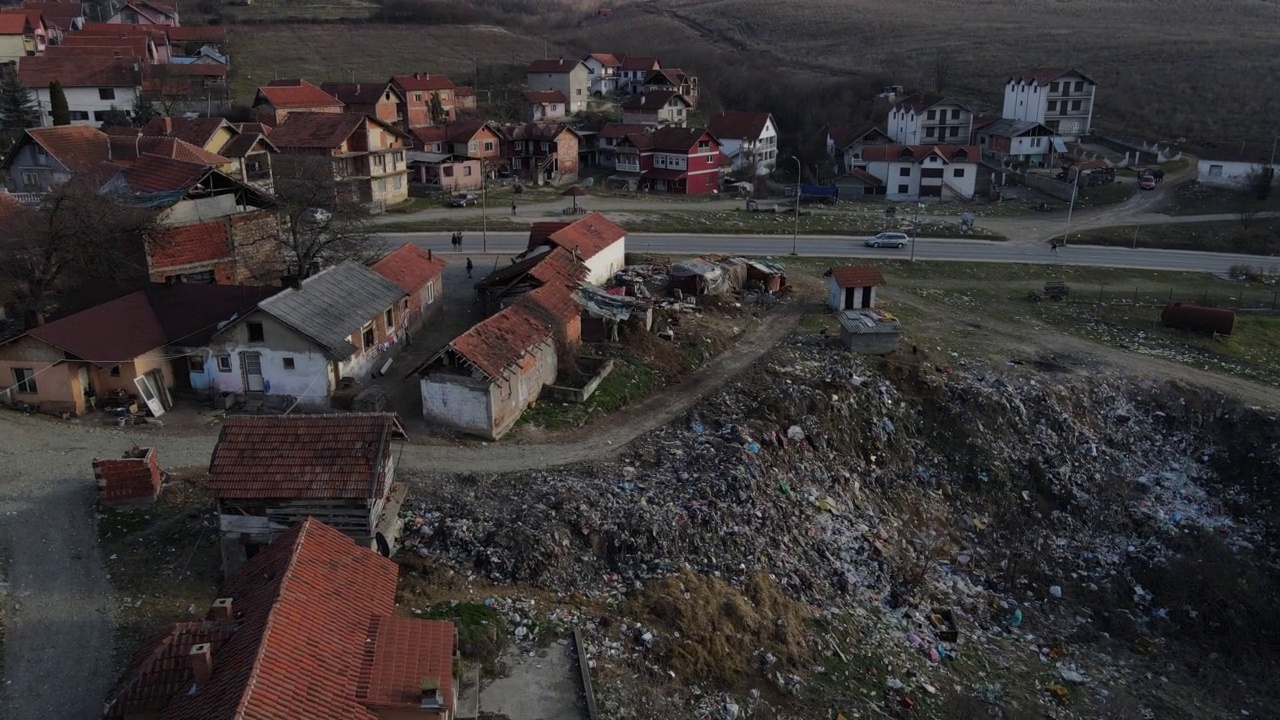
{"x":920,"y":513}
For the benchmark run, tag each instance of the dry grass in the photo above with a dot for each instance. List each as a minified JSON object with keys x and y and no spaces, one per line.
{"x":723,"y":631}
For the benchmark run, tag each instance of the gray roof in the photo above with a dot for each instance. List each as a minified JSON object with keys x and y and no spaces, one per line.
{"x":334,"y":304}
{"x":864,"y":322}
{"x":1008,"y":128}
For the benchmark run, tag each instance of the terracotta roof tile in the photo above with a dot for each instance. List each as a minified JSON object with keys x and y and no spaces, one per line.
{"x":949,"y":153}
{"x":197,"y":131}
{"x":131,"y":147}
{"x":161,"y":667}
{"x":357,"y":93}
{"x":737,"y":125}
{"x":154,"y":173}
{"x":14,"y":24}
{"x":560,"y":266}
{"x":497,"y":343}
{"x":208,"y":33}
{"x":543,"y":97}
{"x":246,"y":142}
{"x":555,"y":66}
{"x":294,"y":94}
{"x":606,"y":59}
{"x":430,"y":135}
{"x":423,"y":81}
{"x":639,"y":62}
{"x":536,"y":131}
{"x":616,"y":131}
{"x":554,"y":302}
{"x":677,"y":138}
{"x":303,"y":456}
{"x":857,"y":276}
{"x":399,"y":654}
{"x":38,"y":72}
{"x":77,"y":147}
{"x":586,"y":236}
{"x":410,"y":267}
{"x":315,"y":130}
{"x":58,"y":14}
{"x":652,"y":100}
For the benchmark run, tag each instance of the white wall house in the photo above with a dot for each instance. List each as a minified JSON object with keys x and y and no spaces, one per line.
{"x":1060,"y":98}
{"x":88,"y":105}
{"x":926,"y":119}
{"x":1236,"y":166}
{"x":92,"y":89}
{"x":748,"y":139}
{"x":924,"y":172}
{"x":596,"y":241}
{"x":568,"y":76}
{"x":602,"y":77}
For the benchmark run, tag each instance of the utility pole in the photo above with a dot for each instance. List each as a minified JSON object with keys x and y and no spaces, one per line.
{"x":795,"y":234}
{"x":915,"y":232}
{"x":1075,"y":190}
{"x":484,"y":206}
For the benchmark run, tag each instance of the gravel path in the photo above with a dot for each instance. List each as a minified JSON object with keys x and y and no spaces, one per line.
{"x":59,"y":635}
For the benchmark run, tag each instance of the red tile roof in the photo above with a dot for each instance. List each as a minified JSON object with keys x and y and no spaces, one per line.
{"x":138,"y":45}
{"x":544,"y":97}
{"x":208,"y":33}
{"x":197,"y":131}
{"x":77,"y":147}
{"x":430,"y":135}
{"x":606,"y":59}
{"x":553,"y":301}
{"x":410,"y":267}
{"x":38,"y":72}
{"x":557,"y":66}
{"x":14,"y":24}
{"x":497,"y":343}
{"x":922,"y":101}
{"x":359,"y":93}
{"x":58,"y":14}
{"x":308,"y":600}
{"x":294,"y":94}
{"x":639,"y":62}
{"x":85,"y":52}
{"x":153,"y":173}
{"x":129,"y":147}
{"x":949,"y":153}
{"x":161,"y":667}
{"x":586,"y":236}
{"x":653,"y":100}
{"x":857,"y":276}
{"x":1046,"y":75}
{"x":127,"y":327}
{"x":33,"y":16}
{"x":399,"y":654}
{"x":737,"y":125}
{"x":423,"y":81}
{"x":616,"y":131}
{"x":303,"y":456}
{"x":558,"y":266}
{"x":677,"y":139}
{"x":316,"y":130}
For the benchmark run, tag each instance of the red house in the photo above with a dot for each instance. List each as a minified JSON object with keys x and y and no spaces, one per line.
{"x":671,"y":159}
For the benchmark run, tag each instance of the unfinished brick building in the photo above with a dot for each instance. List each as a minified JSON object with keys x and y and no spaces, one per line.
{"x":133,"y":478}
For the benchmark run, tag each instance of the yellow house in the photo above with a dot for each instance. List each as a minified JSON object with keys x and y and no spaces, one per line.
{"x":17,"y":37}
{"x":136,"y":348}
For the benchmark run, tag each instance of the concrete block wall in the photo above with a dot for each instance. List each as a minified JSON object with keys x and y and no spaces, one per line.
{"x":134,"y":477}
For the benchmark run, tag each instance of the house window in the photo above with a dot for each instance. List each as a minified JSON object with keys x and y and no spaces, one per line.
{"x":397,"y":157}
{"x":466,"y":171}
{"x":287,"y":362}
{"x":114,"y":372}
{"x":904,"y":189}
{"x":101,"y":115}
{"x":417,"y":97}
{"x":958,"y":172}
{"x":955,"y":114}
{"x":431,"y":292}
{"x":78,"y":115}
{"x":30,"y":180}
{"x":1215,"y":171}
{"x":1075,"y":105}
{"x":255,"y":332}
{"x":1053,"y":106}
{"x":472,"y":146}
{"x":389,"y":317}
{"x":1080,"y":86}
{"x":954,"y":131}
{"x":24,"y":380}
{"x":368,"y":337}
{"x":488,"y":146}
{"x":396,"y":182}
{"x":704,"y":146}
{"x":904,"y":172}
{"x":932,"y":115}
{"x":379,"y":161}
{"x":195,"y":364}
{"x":382,"y":186}
{"x":928,"y":132}
{"x":224,"y":363}
{"x":1053,"y":87}
{"x":106,"y":93}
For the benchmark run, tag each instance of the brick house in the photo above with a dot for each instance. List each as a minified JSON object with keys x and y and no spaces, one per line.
{"x":312,"y":600}
{"x":277,"y":99}
{"x":130,"y":479}
{"x":464,"y":97}
{"x":542,"y":152}
{"x":145,"y":344}
{"x":416,"y":92}
{"x":671,"y":159}
{"x":419,"y":273}
{"x":450,"y":173}
{"x":380,"y":100}
{"x":570,"y":77}
{"x":268,"y":473}
{"x":542,"y":105}
{"x":659,"y":107}
{"x":367,"y":154}
{"x":303,"y":342}
{"x":485,"y":378}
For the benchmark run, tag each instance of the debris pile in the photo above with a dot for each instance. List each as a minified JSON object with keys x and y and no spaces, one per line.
{"x":922,"y":518}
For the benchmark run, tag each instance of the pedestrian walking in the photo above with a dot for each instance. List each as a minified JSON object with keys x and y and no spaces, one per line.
{"x":459,"y":239}
{"x":469,"y":267}
{"x":513,"y":207}
{"x":453,"y":241}
{"x":1053,"y":245}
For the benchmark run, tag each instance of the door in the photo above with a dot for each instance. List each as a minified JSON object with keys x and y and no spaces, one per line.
{"x":866,"y":298}
{"x":86,"y":392}
{"x":147,"y":391}
{"x":252,"y":371}
{"x":162,"y":391}
{"x":849,"y":294}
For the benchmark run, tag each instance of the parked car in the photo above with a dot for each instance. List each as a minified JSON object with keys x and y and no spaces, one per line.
{"x":1147,"y":182}
{"x":463,"y":200}
{"x":888,"y":239}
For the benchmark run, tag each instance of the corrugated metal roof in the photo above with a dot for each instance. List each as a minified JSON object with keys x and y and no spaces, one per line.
{"x":1005,"y":127}
{"x":333,"y":304}
{"x":868,"y":322}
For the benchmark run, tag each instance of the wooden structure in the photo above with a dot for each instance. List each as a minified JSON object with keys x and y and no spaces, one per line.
{"x":269,"y":473}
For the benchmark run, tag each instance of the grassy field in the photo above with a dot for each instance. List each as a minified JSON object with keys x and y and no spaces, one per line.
{"x":1261,"y":237}
{"x":1197,"y":199}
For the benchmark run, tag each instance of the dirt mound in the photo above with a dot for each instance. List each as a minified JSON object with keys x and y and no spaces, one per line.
{"x":721,"y":633}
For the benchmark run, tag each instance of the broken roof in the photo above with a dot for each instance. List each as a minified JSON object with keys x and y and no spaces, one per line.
{"x":556,"y":266}
{"x":334,"y":304}
{"x":869,"y":322}
{"x":132,"y":325}
{"x":586,"y":237}
{"x":857,"y":276}
{"x":738,"y":125}
{"x":496,"y":344}
{"x":553,"y":301}
{"x":294,"y":93}
{"x":280,"y":457}
{"x":161,"y":667}
{"x":410,"y":267}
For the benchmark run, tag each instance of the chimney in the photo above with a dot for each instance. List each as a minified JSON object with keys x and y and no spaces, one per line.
{"x":201,"y":661}
{"x":221,"y":609}
{"x":428,"y":254}
{"x":32,"y":319}
{"x":431,"y":693}
{"x":291,"y":281}
{"x":561,"y":60}
{"x":168,"y":125}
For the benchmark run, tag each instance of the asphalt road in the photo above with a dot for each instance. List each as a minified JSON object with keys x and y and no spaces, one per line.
{"x":946,"y":249}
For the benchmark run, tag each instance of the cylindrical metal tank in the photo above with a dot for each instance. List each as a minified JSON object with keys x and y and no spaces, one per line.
{"x":1201,"y":319}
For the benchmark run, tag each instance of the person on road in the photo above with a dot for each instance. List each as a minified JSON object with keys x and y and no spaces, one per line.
{"x":513,"y":207}
{"x":1053,"y":245}
{"x":469,"y":267}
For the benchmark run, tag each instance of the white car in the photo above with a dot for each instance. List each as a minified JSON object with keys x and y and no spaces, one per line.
{"x":888,"y":239}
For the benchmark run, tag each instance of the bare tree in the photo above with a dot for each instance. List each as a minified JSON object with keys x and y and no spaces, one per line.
{"x":79,"y":235}
{"x":942,"y":68}
{"x":322,"y":222}
{"x":1247,"y":216}
{"x":1259,"y":181}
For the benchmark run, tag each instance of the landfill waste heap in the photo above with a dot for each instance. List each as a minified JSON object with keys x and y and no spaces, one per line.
{"x":836,"y":535}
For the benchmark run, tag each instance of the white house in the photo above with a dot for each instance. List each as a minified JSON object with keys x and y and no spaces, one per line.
{"x":748,"y":139}
{"x":568,"y":76}
{"x":1060,"y":98}
{"x":658,"y":107}
{"x":303,"y":341}
{"x":540,"y":105}
{"x":853,"y":287}
{"x":602,"y":77}
{"x":594,"y":240}
{"x":1236,"y":166}
{"x":845,"y":144}
{"x":923,"y":172}
{"x":92,"y":89}
{"x":1021,"y":141}
{"x":926,"y":119}
{"x":633,"y":70}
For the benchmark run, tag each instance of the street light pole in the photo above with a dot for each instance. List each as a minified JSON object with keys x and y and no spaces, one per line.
{"x":795,"y":233}
{"x":1075,"y":190}
{"x":484,"y":206}
{"x":915,"y":232}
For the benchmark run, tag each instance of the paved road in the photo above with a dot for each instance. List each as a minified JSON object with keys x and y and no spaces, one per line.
{"x":949,"y":249}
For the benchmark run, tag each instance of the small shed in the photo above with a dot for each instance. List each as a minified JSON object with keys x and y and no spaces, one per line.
{"x":873,"y":332}
{"x":853,"y":287}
